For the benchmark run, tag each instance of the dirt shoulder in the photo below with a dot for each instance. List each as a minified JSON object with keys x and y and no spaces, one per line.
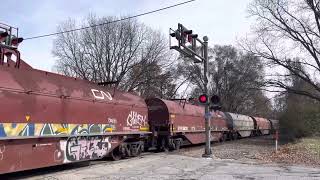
{"x":262,"y":149}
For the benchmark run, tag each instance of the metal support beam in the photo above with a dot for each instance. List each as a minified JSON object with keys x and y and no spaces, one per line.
{"x":207,"y":152}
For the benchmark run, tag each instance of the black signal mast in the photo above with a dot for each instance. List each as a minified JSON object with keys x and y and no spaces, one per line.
{"x":198,"y":54}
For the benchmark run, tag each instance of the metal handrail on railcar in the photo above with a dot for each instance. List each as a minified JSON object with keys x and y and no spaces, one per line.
{"x":9,"y":41}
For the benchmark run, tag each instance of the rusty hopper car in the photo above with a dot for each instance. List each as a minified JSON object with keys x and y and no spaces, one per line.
{"x":174,"y":124}
{"x":262,"y":125}
{"x":49,"y":119}
{"x":59,"y":120}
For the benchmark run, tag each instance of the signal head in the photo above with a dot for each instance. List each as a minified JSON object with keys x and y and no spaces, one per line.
{"x":16,"y":41}
{"x":187,"y":31}
{"x":203,"y":98}
{"x":215,"y":99}
{"x":189,"y":38}
{"x":194,"y":35}
{"x":3,"y":35}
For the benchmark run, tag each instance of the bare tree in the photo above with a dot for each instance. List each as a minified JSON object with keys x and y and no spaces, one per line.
{"x":298,"y":119}
{"x":287,"y":32}
{"x":234,"y":76}
{"x":153,"y":82}
{"x":124,"y":52}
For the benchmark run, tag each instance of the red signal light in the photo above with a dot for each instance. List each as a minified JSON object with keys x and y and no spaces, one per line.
{"x":203,"y":98}
{"x":16,"y":41}
{"x":189,"y":38}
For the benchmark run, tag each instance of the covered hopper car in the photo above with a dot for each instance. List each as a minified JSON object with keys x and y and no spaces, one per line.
{"x":240,"y":125}
{"x":61,"y":119}
{"x":262,"y":125}
{"x":174,"y":124}
{"x":48,"y":119}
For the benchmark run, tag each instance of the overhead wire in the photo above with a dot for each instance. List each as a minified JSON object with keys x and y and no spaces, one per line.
{"x":109,"y":22}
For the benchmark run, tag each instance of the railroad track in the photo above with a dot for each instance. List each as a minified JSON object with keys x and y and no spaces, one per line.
{"x":242,"y":147}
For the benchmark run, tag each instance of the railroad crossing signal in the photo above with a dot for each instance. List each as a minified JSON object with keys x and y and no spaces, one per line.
{"x":203,"y":98}
{"x":215,"y":100}
{"x":198,"y":55}
{"x":8,"y":36}
{"x":188,"y":43}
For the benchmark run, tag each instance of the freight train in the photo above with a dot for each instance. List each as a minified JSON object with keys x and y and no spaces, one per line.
{"x":47,"y":119}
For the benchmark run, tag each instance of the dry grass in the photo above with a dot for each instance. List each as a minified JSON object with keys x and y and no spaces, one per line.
{"x":311,"y":144}
{"x":306,"y":151}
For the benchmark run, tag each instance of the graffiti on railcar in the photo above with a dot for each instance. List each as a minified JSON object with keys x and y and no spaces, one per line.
{"x":47,"y":129}
{"x":101,"y":94}
{"x":58,"y":155}
{"x":183,"y":128}
{"x":86,"y":147}
{"x":136,"y":119}
{"x":112,"y":121}
{"x":2,"y":149}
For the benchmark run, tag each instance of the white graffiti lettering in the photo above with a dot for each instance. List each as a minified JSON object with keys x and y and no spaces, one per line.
{"x":58,"y":155}
{"x":136,"y":119}
{"x":183,"y":128}
{"x":83,"y":148}
{"x":101,"y":94}
{"x":112,"y":120}
{"x":2,"y":149}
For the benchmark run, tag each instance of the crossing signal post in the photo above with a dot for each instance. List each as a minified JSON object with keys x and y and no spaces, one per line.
{"x":189,"y":45}
{"x":215,"y":103}
{"x":203,"y":98}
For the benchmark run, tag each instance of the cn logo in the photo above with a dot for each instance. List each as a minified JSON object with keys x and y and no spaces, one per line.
{"x":101,"y":94}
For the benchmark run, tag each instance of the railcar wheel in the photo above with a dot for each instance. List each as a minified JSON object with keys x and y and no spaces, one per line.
{"x":223,"y":138}
{"x":163,"y":145}
{"x":116,"y":154}
{"x":235,"y":136}
{"x":177,"y":144}
{"x":135,"y":152}
{"x":231,"y":137}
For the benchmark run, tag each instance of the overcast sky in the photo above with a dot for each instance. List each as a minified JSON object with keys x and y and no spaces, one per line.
{"x":223,"y":21}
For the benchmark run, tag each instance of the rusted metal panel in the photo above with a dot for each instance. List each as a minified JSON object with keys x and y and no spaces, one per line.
{"x":34,"y":99}
{"x":200,"y":137}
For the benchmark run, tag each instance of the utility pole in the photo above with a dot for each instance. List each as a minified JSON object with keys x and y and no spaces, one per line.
{"x":184,"y":36}
{"x":207,"y":152}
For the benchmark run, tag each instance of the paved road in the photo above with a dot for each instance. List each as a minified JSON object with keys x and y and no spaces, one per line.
{"x":173,"y":166}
